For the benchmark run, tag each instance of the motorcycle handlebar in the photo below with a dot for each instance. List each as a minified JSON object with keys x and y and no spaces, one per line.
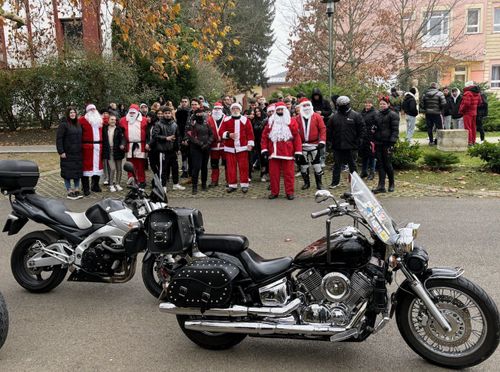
{"x":318,"y":214}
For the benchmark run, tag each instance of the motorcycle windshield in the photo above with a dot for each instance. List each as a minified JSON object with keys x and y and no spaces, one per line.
{"x":372,"y":211}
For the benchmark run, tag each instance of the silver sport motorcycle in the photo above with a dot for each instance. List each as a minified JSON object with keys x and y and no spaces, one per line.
{"x":98,"y":245}
{"x":335,"y":289}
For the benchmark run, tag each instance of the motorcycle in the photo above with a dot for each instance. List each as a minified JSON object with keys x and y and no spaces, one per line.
{"x":4,"y":321}
{"x":335,"y":289}
{"x":98,"y":245}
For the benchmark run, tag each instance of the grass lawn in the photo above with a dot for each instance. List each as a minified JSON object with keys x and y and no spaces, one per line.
{"x":469,"y":174}
{"x":46,"y":161}
{"x":423,"y":135}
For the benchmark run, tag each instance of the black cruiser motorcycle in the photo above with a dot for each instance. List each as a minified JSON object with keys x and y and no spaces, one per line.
{"x":334,"y":290}
{"x":98,"y":245}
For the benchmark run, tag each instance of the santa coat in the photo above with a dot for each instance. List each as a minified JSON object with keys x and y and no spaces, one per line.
{"x":243,"y":129}
{"x":282,"y":149}
{"x":217,"y":144}
{"x":91,"y":148}
{"x":135,"y":136}
{"x":314,"y":134}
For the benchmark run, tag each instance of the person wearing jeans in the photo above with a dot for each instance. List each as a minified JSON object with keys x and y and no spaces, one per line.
{"x":69,"y":147}
{"x":409,"y":106}
{"x":113,"y":152}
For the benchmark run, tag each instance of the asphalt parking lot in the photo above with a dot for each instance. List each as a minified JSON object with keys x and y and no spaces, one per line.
{"x":103,"y":327}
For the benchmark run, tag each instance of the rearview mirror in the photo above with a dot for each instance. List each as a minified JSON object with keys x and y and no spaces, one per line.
{"x":322,"y":195}
{"x":128,"y":167}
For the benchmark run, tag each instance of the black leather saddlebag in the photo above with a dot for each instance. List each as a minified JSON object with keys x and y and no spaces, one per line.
{"x":205,"y":283}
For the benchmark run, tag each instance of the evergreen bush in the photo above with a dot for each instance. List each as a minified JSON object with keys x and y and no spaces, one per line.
{"x":405,"y":154}
{"x":489,"y":152}
{"x":440,"y":160}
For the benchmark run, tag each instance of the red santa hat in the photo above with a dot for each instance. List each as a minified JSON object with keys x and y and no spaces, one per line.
{"x":304,"y":100}
{"x":280,"y":105}
{"x":133,"y":107}
{"x":90,"y":107}
{"x":236,"y":104}
{"x":271,"y":108}
{"x":218,"y":105}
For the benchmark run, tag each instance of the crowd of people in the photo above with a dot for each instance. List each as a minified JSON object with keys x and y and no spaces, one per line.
{"x":275,"y":138}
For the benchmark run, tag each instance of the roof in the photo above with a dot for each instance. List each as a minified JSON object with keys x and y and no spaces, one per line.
{"x":277,"y":79}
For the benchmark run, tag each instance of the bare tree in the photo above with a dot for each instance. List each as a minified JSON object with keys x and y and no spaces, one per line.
{"x":419,"y":35}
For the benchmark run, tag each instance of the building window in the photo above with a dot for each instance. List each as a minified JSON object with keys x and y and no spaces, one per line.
{"x":473,"y":16}
{"x":495,"y":76}
{"x":496,"y":20}
{"x":72,"y":33}
{"x":461,"y":73}
{"x":437,"y":29}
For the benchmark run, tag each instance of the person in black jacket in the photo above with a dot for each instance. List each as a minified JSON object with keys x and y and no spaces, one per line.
{"x":432,"y":104}
{"x":367,"y":148}
{"x":200,"y":137}
{"x":320,"y":105}
{"x":409,"y":107}
{"x":113,"y":152}
{"x":182,"y":116}
{"x":454,"y":101}
{"x":482,"y":113}
{"x":385,"y":135}
{"x":165,"y":138}
{"x":344,"y":133}
{"x":69,"y":148}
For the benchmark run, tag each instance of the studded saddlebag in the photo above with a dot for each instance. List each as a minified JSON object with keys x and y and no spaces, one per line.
{"x":205,"y":283}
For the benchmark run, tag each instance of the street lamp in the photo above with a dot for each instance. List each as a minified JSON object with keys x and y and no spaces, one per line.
{"x":330,"y":9}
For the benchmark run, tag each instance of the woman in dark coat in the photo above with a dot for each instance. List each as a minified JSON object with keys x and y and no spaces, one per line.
{"x":386,"y":134}
{"x":258,"y":124}
{"x":69,"y":147}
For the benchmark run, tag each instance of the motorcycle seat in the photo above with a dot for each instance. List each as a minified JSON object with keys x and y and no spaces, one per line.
{"x":230,"y":244}
{"x":58,"y":211}
{"x":260,"y":268}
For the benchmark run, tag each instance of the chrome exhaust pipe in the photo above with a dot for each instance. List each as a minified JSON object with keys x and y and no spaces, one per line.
{"x":234,"y":311}
{"x":261,"y":328}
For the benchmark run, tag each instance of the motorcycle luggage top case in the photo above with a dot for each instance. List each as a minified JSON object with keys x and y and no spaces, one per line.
{"x":204,"y":283}
{"x":18,"y":176}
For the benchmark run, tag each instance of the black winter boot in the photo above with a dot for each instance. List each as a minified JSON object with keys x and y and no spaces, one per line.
{"x":371,"y":175}
{"x":319,"y":183}
{"x":307,"y":181}
{"x":86,"y":186}
{"x":95,"y":184}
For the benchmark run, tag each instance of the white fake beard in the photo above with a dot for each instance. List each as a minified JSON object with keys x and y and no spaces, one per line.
{"x":306,"y":112}
{"x":133,"y":116}
{"x":217,"y":114}
{"x":94,"y":118}
{"x":280,"y":130}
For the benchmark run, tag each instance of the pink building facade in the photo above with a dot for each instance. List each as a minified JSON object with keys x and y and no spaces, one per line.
{"x":473,"y":28}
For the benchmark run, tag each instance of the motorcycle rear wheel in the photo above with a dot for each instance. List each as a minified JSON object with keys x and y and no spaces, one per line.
{"x":4,"y":321}
{"x":471,"y":313}
{"x":36,"y":280}
{"x":209,"y":340}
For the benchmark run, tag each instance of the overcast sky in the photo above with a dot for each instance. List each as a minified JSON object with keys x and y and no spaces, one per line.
{"x":285,"y":15}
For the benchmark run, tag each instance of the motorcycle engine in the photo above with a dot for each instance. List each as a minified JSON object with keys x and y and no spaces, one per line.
{"x":335,"y":297}
{"x":99,"y":259}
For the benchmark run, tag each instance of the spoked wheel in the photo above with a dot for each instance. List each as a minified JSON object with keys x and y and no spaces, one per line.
{"x":210,"y":340}
{"x":38,"y":279}
{"x":471,"y":314}
{"x":153,"y":275}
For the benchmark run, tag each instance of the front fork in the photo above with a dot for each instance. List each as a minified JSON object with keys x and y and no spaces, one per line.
{"x":422,"y":293}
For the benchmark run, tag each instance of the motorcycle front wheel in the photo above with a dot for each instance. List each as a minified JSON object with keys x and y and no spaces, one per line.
{"x":37,"y":280}
{"x":152,"y":276}
{"x":210,"y":340}
{"x":4,"y":321}
{"x":473,"y":317}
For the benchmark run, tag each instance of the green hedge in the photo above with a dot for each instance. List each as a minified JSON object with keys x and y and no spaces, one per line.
{"x":405,"y":154}
{"x":489,"y":152}
{"x":41,"y":94}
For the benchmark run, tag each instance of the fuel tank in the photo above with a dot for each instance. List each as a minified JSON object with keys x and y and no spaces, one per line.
{"x":348,"y":249}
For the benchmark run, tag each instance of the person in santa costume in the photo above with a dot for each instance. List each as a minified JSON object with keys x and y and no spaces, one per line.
{"x":281,"y":143}
{"x":91,"y":124}
{"x":217,"y":147}
{"x":312,"y":131}
{"x":135,"y":126}
{"x":237,"y":133}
